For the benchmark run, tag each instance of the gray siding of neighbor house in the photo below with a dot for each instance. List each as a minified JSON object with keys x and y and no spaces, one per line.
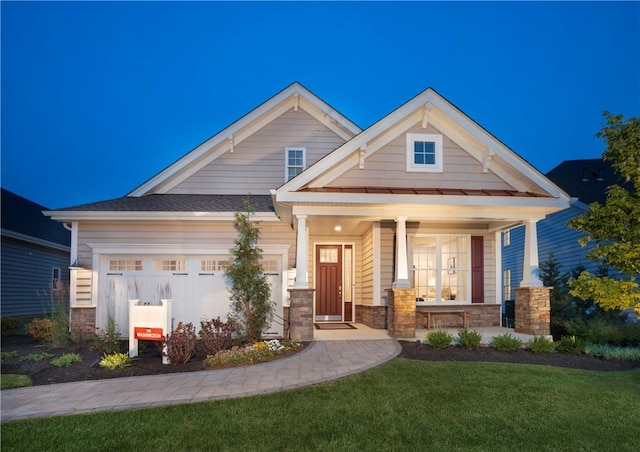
{"x":554,"y":236}
{"x":26,"y":277}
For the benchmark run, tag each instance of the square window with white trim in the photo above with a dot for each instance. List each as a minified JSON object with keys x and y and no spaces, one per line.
{"x":295,"y":162}
{"x":424,"y":152}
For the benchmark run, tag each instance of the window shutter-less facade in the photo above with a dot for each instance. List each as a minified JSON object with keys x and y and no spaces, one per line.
{"x":477,"y":269}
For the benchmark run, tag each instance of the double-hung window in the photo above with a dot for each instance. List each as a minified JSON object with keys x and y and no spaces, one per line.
{"x":424,"y":152}
{"x":295,"y":162}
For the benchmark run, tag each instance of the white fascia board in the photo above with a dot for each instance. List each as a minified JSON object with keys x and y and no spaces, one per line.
{"x":155,"y":216}
{"x":242,"y":129}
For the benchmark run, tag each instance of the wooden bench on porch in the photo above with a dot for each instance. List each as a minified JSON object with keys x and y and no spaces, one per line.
{"x":430,"y":314}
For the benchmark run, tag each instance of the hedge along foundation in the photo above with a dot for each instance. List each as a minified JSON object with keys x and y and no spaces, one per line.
{"x":149,"y":323}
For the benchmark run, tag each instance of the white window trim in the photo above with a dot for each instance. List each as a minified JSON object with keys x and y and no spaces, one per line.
{"x":424,"y":168}
{"x":286,"y":160}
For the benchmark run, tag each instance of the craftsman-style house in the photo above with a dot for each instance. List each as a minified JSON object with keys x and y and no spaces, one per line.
{"x":372,"y":226}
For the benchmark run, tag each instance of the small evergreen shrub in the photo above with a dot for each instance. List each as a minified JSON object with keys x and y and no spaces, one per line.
{"x":215,"y":335}
{"x":115,"y":361}
{"x":181,"y":343}
{"x":9,"y":326}
{"x":66,"y":360}
{"x":439,"y":338}
{"x":612,"y":352}
{"x":542,"y":344}
{"x":506,"y":343}
{"x":469,"y":338}
{"x":40,"y":329}
{"x":571,"y":344}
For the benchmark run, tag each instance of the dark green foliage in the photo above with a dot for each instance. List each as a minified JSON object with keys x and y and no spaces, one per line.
{"x":469,"y":338}
{"x":541,"y":344}
{"x":506,"y":343}
{"x":9,"y":326}
{"x":439,"y":338}
{"x":571,"y":344}
{"x":251,"y":307}
{"x":181,"y":343}
{"x":215,"y":335}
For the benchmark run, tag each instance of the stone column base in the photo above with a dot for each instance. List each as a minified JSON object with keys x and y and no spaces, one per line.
{"x":372,"y":316}
{"x":533,"y":311}
{"x":301,"y":314}
{"x":402,"y":313}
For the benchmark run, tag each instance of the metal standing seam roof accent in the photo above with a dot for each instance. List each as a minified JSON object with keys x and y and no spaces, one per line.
{"x":177,"y":203}
{"x":424,"y":191}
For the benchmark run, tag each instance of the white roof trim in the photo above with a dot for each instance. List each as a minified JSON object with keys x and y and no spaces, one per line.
{"x":344,"y":157}
{"x":217,"y":145}
{"x":34,"y":240}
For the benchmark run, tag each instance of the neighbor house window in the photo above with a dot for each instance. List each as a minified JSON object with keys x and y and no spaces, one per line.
{"x":295,"y":162}
{"x":506,"y":238}
{"x":506,"y":283}
{"x":55,"y":278}
{"x":441,"y":268}
{"x":424,"y":152}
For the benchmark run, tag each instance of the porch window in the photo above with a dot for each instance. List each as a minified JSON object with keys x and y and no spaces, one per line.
{"x":295,"y":162}
{"x":441,"y":272}
{"x":424,"y":152}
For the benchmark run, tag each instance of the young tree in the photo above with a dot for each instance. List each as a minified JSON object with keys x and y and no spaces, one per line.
{"x":615,"y":226}
{"x":250,"y":291}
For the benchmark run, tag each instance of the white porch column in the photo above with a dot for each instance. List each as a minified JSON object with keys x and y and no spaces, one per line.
{"x":302,"y":254}
{"x":402,"y":263}
{"x":530,"y":269}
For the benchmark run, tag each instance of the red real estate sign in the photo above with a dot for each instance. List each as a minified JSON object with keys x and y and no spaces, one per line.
{"x":148,"y":334}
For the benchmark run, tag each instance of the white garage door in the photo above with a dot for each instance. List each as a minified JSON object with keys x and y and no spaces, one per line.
{"x":197,"y":287}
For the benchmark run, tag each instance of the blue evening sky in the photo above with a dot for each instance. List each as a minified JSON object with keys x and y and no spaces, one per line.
{"x":99,"y":97}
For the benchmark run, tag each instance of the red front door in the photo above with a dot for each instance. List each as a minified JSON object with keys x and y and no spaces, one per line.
{"x":328,"y":283}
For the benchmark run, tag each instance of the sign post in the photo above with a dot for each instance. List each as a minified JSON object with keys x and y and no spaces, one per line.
{"x":149,"y":323}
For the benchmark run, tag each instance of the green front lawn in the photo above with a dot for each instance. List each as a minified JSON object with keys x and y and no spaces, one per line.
{"x":402,"y":405}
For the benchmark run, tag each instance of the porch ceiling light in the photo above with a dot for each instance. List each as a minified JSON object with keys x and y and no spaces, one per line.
{"x":337,"y":228}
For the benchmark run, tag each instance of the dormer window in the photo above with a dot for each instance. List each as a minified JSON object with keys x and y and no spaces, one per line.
{"x":424,"y":152}
{"x":295,"y":162}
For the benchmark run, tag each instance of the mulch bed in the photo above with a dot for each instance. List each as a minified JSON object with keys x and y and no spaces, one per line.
{"x":149,"y":361}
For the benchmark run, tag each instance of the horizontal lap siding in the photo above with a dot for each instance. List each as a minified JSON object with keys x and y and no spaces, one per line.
{"x":387,"y":168}
{"x":216,"y":235}
{"x":367,"y":267}
{"x":26,"y":277}
{"x":258,"y":163}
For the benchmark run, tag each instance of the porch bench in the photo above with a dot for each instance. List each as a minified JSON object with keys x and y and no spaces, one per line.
{"x":429,"y":315}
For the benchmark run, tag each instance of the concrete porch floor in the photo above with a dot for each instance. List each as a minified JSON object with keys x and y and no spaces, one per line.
{"x":363,"y":332}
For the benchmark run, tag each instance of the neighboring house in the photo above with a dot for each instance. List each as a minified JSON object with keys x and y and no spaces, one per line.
{"x":586,"y":181}
{"x":35,"y":255}
{"x":407,"y":212}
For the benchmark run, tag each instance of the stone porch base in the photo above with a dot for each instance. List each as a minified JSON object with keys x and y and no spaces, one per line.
{"x":372,"y":316}
{"x":478,"y":315}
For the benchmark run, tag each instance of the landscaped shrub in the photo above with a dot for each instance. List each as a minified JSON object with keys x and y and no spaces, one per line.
{"x":542,"y":344}
{"x":571,"y":344}
{"x":66,"y":360}
{"x":439,"y":338}
{"x":613,"y":352}
{"x":257,"y":352}
{"x":215,"y":335}
{"x":12,"y":381}
{"x":9,"y":326}
{"x":506,"y":343}
{"x":59,"y":295}
{"x":469,"y":338}
{"x":181,"y":343}
{"x":40,"y":329}
{"x":115,"y":361}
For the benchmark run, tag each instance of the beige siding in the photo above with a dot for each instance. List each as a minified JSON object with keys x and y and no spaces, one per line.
{"x":387,"y":168}
{"x":216,"y":235}
{"x":367,"y":267}
{"x":387,"y":253}
{"x":258,"y":163}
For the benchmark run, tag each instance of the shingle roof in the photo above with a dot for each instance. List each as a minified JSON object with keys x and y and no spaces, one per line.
{"x":25,"y":217}
{"x":423,"y":191}
{"x":178,"y":203}
{"x":586,"y":179}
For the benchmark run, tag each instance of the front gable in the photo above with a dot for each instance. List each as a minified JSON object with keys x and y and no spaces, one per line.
{"x":472,"y":159}
{"x":293,"y":117}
